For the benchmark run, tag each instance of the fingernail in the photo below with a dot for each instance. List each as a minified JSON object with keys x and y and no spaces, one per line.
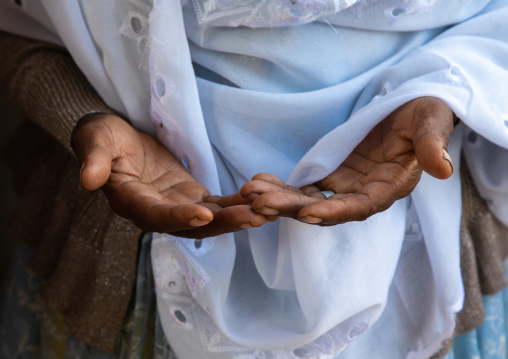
{"x":311,"y":220}
{"x":246,"y":225}
{"x":447,"y":158}
{"x":196,"y":222}
{"x":267,"y":211}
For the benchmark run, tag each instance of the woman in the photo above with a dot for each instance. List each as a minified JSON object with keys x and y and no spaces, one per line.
{"x":294,"y":289}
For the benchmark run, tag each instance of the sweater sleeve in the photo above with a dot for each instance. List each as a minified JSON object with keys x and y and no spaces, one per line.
{"x":85,"y":253}
{"x":43,"y":81}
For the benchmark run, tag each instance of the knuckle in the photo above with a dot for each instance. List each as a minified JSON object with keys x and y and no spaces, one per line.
{"x":261,"y":176}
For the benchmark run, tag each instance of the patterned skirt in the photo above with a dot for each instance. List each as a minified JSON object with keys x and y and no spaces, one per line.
{"x":489,"y":340}
{"x":29,"y":331}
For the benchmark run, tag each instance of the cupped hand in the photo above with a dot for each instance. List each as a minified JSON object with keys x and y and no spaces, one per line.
{"x":383,"y":168}
{"x":145,"y":183}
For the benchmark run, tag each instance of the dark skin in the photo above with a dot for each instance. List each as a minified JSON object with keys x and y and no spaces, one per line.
{"x":145,"y":183}
{"x":384,"y":167}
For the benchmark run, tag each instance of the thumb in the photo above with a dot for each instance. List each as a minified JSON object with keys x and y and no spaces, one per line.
{"x":94,"y":147}
{"x":432,"y":127}
{"x":96,"y":167}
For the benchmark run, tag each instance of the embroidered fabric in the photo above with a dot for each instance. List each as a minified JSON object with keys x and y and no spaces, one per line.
{"x":180,"y":283}
{"x":176,"y":281}
{"x":274,"y":13}
{"x":393,"y":10}
{"x":290,"y":290}
{"x":265,"y":13}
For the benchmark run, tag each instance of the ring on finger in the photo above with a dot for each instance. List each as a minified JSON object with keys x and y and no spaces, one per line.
{"x":327,"y":193}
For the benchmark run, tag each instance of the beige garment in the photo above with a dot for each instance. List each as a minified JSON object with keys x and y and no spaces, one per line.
{"x":483,"y":247}
{"x":85,"y":253}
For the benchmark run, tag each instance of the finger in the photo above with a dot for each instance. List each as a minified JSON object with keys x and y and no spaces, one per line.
{"x":313,"y":191}
{"x":96,"y":167}
{"x":150,"y":213}
{"x":373,"y":198}
{"x":227,"y":201}
{"x":267,"y":177}
{"x":260,"y":183}
{"x":286,"y":204}
{"x":433,"y":157}
{"x":240,"y":216}
{"x":226,"y":220}
{"x":338,"y":209}
{"x":164,"y":218}
{"x":433,"y":125}
{"x":92,"y":142}
{"x":259,"y":187}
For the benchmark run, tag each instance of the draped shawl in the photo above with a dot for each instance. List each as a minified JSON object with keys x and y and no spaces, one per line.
{"x":237,"y":87}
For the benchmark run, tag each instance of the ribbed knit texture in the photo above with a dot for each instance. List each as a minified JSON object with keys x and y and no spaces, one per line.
{"x":84,"y":252}
{"x":44,"y":82}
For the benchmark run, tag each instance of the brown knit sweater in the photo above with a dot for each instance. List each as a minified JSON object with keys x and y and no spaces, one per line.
{"x":483,"y":246}
{"x":85,"y":253}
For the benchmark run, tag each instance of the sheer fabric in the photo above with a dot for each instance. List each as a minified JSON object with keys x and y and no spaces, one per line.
{"x":294,"y":101}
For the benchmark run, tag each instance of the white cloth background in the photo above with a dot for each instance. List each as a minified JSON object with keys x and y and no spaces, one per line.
{"x":305,"y":96}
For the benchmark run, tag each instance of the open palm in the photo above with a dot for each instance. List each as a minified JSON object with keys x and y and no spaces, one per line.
{"x":383,"y":168}
{"x":144,"y":182}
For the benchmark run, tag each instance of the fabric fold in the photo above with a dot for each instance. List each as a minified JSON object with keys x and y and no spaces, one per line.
{"x":290,"y":290}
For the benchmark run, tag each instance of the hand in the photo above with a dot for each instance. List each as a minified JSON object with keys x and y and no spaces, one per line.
{"x":144,"y":182}
{"x":383,"y":168}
